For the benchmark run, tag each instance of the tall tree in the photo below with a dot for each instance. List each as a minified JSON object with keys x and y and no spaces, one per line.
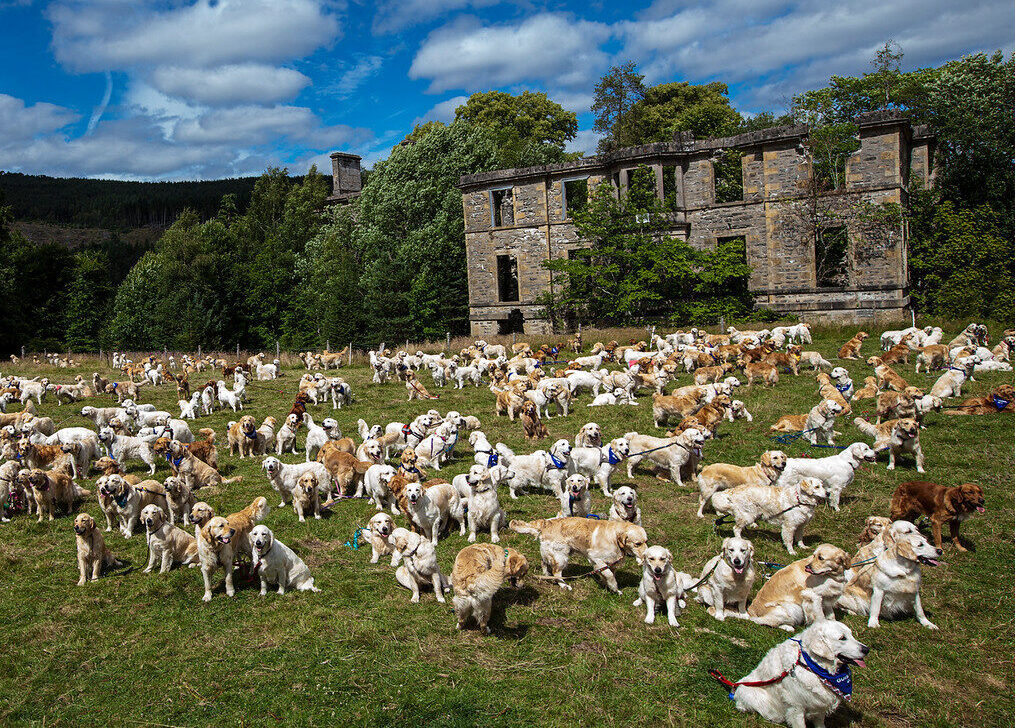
{"x":616,"y":94}
{"x":527,"y":129}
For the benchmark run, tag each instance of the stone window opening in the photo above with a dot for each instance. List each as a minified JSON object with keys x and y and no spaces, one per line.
{"x":728,"y":169}
{"x":513,"y":324}
{"x":831,"y":250}
{"x":670,"y":186}
{"x":507,"y":278}
{"x":576,"y":196}
{"x":502,"y":209}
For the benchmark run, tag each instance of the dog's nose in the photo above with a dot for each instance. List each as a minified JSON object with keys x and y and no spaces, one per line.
{"x":939,"y":551}
{"x":864,"y":649}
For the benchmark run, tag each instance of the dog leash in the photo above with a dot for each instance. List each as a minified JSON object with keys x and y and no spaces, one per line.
{"x":601,"y":569}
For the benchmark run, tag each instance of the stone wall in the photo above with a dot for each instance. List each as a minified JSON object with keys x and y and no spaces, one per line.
{"x":778,"y":217}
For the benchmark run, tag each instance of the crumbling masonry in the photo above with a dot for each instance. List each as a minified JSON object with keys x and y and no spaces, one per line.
{"x":517,"y":218}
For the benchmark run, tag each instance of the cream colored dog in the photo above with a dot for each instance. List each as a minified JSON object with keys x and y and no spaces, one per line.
{"x":625,"y":505}
{"x":420,"y":566}
{"x":575,"y":499}
{"x":92,"y":552}
{"x":891,"y":584}
{"x":729,"y":577}
{"x":661,"y":584}
{"x":276,"y":563}
{"x":721,"y":476}
{"x":792,"y":507}
{"x":379,"y":527}
{"x":819,"y":422}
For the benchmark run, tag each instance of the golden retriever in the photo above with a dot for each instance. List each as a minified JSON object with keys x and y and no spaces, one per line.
{"x":721,"y":476}
{"x":806,"y":591}
{"x":603,"y":543}
{"x":93,"y":555}
{"x":895,"y":436}
{"x":479,"y":571}
{"x":221,"y":539}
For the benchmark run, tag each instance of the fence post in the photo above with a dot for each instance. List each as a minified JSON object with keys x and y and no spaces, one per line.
{"x":278,"y":354}
{"x":447,"y":341}
{"x":722,"y":324}
{"x":198,"y":351}
{"x":350,"y":354}
{"x":327,"y":345}
{"x":406,"y":346}
{"x":237,"y":351}
{"x":22,"y":352}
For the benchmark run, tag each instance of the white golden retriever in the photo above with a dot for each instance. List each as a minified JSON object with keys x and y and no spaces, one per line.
{"x":661,"y":584}
{"x":803,"y":694}
{"x":729,"y":577}
{"x":836,"y":471}
{"x":792,"y":507}
{"x":276,"y":563}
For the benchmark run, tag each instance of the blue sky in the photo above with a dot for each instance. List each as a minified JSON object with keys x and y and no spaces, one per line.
{"x":191,"y":89}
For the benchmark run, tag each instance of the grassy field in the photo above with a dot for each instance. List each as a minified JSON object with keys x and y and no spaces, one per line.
{"x":139,"y":649}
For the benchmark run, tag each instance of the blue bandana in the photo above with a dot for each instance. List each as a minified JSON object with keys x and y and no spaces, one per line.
{"x":493,"y":459}
{"x":843,"y":388}
{"x":611,"y":457}
{"x":840,"y":683}
{"x":121,"y":500}
{"x":999,"y":403}
{"x":557,"y":463}
{"x":251,"y":435}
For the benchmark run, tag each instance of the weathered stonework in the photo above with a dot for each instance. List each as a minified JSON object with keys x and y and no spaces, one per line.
{"x":777,"y":217}
{"x":346,"y":178}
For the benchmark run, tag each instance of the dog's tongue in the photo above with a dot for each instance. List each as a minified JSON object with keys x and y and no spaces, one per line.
{"x":860,"y":663}
{"x":981,"y":509}
{"x":738,"y":569}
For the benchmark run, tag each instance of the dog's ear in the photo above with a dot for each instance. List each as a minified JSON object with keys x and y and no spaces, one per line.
{"x":905,"y":549}
{"x":818,"y":643}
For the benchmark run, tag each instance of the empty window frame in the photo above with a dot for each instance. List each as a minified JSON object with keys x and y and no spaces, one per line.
{"x":729,"y":176}
{"x":576,"y":195}
{"x":507,"y":278}
{"x":831,"y":250}
{"x":502,"y":207}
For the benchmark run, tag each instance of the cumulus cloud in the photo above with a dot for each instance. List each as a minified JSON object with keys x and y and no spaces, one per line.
{"x":20,"y":122}
{"x":98,"y":35}
{"x":547,"y":47}
{"x":395,"y":15}
{"x":254,"y":125}
{"x":242,"y":83}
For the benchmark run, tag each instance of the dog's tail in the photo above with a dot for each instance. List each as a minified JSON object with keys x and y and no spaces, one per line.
{"x":259,"y":508}
{"x":855,"y":601}
{"x":237,"y":479}
{"x":209,"y":433}
{"x":866,"y":427}
{"x":80,"y":492}
{"x":533,"y":529}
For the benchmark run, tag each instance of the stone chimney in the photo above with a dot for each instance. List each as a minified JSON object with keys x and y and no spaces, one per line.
{"x":345,"y":175}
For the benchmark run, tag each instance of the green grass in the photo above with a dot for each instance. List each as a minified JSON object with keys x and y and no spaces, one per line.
{"x":139,"y":649}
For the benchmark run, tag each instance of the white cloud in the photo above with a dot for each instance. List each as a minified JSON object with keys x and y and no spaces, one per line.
{"x":254,"y":125}
{"x":243,"y":83}
{"x":395,"y":15}
{"x":98,"y":35}
{"x":585,"y":140}
{"x":19,"y":122}
{"x":443,"y":112}
{"x":548,"y":47}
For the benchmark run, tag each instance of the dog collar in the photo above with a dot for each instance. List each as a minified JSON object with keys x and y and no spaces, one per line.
{"x":612,"y":458}
{"x":840,"y":683}
{"x":557,"y":464}
{"x":843,"y":388}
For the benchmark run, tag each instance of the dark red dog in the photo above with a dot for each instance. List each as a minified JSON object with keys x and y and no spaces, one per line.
{"x":940,"y":504}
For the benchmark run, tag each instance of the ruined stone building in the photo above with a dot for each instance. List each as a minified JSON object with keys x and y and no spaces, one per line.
{"x":346,"y":178}
{"x":517,"y":218}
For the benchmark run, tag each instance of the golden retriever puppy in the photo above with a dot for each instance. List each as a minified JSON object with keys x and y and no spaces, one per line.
{"x":50,"y":488}
{"x":728,"y":579}
{"x":419,"y":567}
{"x":891,"y":584}
{"x":603,"y":543}
{"x":180,"y":499}
{"x":802,"y":694}
{"x":898,"y":437}
{"x":167,"y":543}
{"x":276,"y":563}
{"x":819,"y":422}
{"x":722,"y":476}
{"x":792,"y":507}
{"x":804,"y":592}
{"x":851,"y":349}
{"x":242,"y":437}
{"x":661,"y":584}
{"x":92,"y":552}
{"x":379,"y":527}
{"x":221,"y":539}
{"x":676,"y":407}
{"x":306,"y":496}
{"x":479,"y":571}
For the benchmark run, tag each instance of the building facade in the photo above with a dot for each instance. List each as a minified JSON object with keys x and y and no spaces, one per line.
{"x":346,"y":178}
{"x":812,"y":254}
